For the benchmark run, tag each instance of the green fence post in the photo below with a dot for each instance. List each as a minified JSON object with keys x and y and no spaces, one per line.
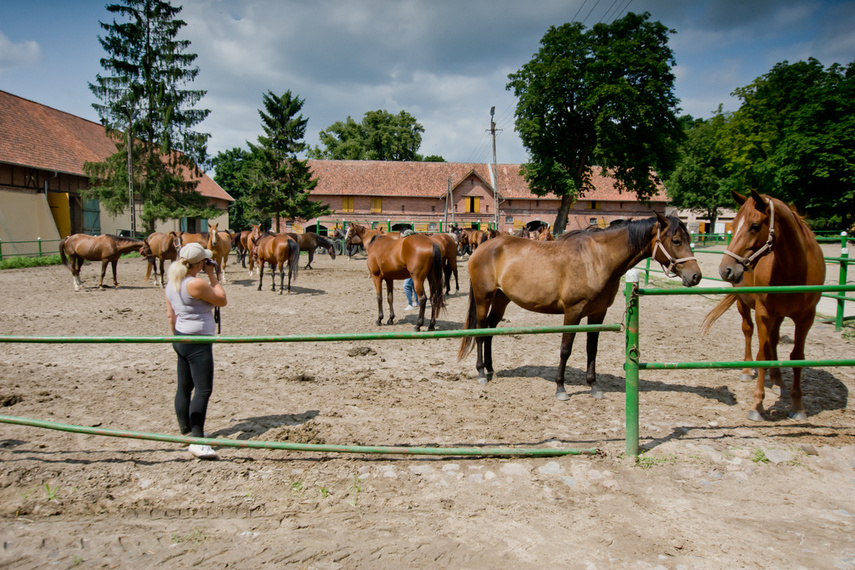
{"x":40,"y":247}
{"x":844,"y":266}
{"x":647,"y":272}
{"x":1,"y":250}
{"x":729,"y":237}
{"x":631,"y":365}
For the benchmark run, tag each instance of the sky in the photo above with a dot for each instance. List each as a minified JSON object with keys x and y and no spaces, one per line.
{"x":446,"y":62}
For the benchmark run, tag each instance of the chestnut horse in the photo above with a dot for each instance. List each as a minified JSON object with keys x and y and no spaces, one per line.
{"x":771,"y":246}
{"x":391,"y":259}
{"x":577,"y":275}
{"x":448,"y":246}
{"x":276,"y":250}
{"x":310,"y":241}
{"x":220,"y":244}
{"x":160,"y":247}
{"x":105,"y":248}
{"x":241,"y":246}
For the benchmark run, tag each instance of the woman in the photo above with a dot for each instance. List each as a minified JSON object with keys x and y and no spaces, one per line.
{"x":190,"y":302}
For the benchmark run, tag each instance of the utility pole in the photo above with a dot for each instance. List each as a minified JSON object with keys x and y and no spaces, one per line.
{"x":131,"y":171}
{"x":495,"y":169}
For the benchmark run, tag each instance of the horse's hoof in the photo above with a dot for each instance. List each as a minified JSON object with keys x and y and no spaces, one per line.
{"x":746,"y":377}
{"x":597,"y":393}
{"x":417,"y":329}
{"x":379,"y":323}
{"x":563,"y":396}
{"x":431,"y":328}
{"x":483,"y":380}
{"x":755,"y":416}
{"x":798,"y":416}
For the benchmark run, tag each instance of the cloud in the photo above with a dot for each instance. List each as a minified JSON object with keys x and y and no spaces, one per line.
{"x":15,"y":55}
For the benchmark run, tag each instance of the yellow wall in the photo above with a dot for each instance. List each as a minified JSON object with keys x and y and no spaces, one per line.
{"x":26,"y":217}
{"x":61,"y":212}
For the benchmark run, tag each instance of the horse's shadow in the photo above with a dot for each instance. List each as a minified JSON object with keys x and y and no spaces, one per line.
{"x":306,"y":291}
{"x":249,"y":428}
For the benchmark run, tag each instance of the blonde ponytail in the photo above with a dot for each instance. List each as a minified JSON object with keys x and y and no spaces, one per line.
{"x":177,"y":272}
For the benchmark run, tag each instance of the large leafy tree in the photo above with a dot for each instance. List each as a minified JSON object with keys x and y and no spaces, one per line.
{"x":231,"y":170}
{"x":794,"y":137}
{"x":277,"y":182}
{"x":700,"y":181}
{"x":143,"y":104}
{"x":380,"y":136}
{"x":603,"y":96}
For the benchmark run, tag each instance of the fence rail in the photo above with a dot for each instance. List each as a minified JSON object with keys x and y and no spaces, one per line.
{"x":39,"y":249}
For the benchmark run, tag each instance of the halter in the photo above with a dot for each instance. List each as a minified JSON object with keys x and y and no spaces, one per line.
{"x":747,"y":262}
{"x":672,"y":263}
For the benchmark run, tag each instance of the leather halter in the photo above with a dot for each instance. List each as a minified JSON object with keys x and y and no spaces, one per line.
{"x":747,"y":262}
{"x":672,"y":263}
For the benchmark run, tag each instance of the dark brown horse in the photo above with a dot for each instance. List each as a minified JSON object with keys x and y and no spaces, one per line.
{"x":275,"y":250}
{"x":310,"y":241}
{"x":577,"y":275}
{"x":160,"y":247}
{"x":391,"y":259}
{"x":771,"y":246}
{"x":240,"y":244}
{"x":105,"y":248}
{"x":448,"y":246}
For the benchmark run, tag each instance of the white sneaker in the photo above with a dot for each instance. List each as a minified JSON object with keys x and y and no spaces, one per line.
{"x":409,"y":308}
{"x":202,"y":451}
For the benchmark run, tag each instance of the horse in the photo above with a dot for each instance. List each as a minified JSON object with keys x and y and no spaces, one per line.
{"x":241,"y":247}
{"x":577,"y":275}
{"x":392,"y":259}
{"x":105,"y":248}
{"x":220,"y":244}
{"x":470,"y":239}
{"x":771,"y":246}
{"x":543,"y":234}
{"x":160,"y":247}
{"x":310,"y":241}
{"x":349,"y":247}
{"x":276,"y":250}
{"x":448,"y":246}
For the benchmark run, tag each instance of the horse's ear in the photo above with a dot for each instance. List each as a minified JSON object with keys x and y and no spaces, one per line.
{"x":738,"y":198}
{"x":663,"y":221}
{"x":759,"y":202}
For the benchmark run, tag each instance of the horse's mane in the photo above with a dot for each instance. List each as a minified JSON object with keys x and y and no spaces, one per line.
{"x":638,"y":231}
{"x":324,"y":242}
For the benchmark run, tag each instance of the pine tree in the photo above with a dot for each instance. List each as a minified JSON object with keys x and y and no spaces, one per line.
{"x":278,"y":183}
{"x":141,"y":103}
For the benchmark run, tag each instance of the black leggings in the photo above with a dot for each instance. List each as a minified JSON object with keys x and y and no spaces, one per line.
{"x":195,"y":384}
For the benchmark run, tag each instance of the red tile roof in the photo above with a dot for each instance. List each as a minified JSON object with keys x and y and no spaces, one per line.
{"x":430,"y":179}
{"x":41,"y":137}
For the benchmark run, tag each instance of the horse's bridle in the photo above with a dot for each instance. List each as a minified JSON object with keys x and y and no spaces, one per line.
{"x":672,"y":263}
{"x":747,"y":262}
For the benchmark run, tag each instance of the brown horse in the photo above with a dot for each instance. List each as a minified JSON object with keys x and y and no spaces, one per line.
{"x":577,"y":275}
{"x":771,"y":246}
{"x":220,"y":244}
{"x":275,"y":250}
{"x":160,"y":247}
{"x":448,"y":246}
{"x":544,"y":234}
{"x":310,"y":241}
{"x":241,"y":246}
{"x":392,"y":259}
{"x":105,"y":248}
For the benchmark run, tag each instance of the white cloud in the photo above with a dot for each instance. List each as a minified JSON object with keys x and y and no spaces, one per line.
{"x":21,"y":54}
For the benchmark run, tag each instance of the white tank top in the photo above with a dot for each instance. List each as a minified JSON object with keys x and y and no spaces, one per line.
{"x":193,"y":316}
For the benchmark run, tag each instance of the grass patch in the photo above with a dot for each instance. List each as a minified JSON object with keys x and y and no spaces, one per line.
{"x":759,"y":456}
{"x":646,"y":462}
{"x":27,"y":262}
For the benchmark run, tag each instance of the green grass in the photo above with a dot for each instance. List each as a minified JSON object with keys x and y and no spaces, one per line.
{"x":26,"y":262}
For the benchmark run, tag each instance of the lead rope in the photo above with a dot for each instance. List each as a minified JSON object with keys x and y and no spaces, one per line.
{"x":672,"y":263}
{"x":746,"y":262}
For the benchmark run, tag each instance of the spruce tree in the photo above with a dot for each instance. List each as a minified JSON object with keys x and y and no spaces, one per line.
{"x":142,"y":103}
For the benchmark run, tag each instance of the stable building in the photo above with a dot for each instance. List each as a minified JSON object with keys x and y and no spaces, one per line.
{"x":42,"y":152}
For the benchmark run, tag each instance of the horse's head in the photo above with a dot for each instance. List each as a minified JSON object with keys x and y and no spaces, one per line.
{"x":331,"y":251}
{"x":673,"y":250}
{"x":145,"y":250}
{"x":212,"y":233}
{"x":753,"y":234}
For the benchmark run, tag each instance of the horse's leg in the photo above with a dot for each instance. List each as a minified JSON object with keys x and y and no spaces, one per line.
{"x":764,"y":352}
{"x":775,"y":373}
{"x":273,"y":276}
{"x":378,"y":286}
{"x":803,"y":324}
{"x":421,"y":295}
{"x":480,"y":304}
{"x":114,"y":263}
{"x":104,"y":263}
{"x":76,"y":264}
{"x":570,"y":319}
{"x":389,"y":291}
{"x":593,"y":340}
{"x":747,"y":333}
{"x":260,"y":273}
{"x":497,"y":311}
{"x":282,"y":278}
{"x":162,"y":278}
{"x":311,"y":257}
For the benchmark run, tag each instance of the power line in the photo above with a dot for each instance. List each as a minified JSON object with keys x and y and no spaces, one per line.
{"x":608,"y":11}
{"x":579,"y":10}
{"x":590,"y":12}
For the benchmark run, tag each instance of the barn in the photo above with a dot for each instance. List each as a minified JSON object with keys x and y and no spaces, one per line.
{"x":42,"y":152}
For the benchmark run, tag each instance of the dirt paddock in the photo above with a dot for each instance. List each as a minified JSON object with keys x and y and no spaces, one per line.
{"x":713,"y":490}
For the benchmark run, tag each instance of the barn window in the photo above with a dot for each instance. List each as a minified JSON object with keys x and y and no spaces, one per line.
{"x":376,"y":205}
{"x":347,"y":204}
{"x":473,"y":204}
{"x":403,"y":208}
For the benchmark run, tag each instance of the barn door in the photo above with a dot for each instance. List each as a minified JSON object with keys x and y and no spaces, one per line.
{"x":92,"y":217}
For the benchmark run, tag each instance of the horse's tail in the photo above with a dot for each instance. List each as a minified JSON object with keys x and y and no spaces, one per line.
{"x":294,"y":262}
{"x":437,"y":288}
{"x":62,"y":254}
{"x":718,"y":311}
{"x":467,"y":343}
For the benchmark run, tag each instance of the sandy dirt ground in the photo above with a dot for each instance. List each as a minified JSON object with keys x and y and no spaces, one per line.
{"x":712,"y":490}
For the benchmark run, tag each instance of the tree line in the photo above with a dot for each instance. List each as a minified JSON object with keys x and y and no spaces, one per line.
{"x":599,"y":97}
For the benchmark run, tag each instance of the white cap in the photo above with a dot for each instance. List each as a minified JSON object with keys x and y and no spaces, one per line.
{"x":194,"y":253}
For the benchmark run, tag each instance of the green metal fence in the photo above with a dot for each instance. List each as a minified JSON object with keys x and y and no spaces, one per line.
{"x":38,"y":249}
